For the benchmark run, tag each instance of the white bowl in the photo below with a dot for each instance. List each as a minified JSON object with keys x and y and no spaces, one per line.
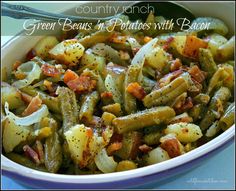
{"x":18,"y":46}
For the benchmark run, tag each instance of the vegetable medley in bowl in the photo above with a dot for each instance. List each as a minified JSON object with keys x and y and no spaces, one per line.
{"x":101,"y":102}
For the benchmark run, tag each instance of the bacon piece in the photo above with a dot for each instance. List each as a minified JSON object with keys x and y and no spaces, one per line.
{"x":172,"y":147}
{"x":16,"y":65}
{"x":33,"y":106}
{"x":169,"y":77}
{"x":106,"y":95}
{"x":31,"y":154}
{"x":31,"y":54}
{"x":192,"y":46}
{"x":26,"y":98}
{"x":146,"y":39}
{"x":197,"y":74}
{"x":82,"y":84}
{"x":145,"y":148}
{"x":39,"y":150}
{"x":113,"y":147}
{"x":188,"y":104}
{"x":136,"y":90}
{"x":175,"y":64}
{"x":49,"y":70}
{"x":168,"y":42}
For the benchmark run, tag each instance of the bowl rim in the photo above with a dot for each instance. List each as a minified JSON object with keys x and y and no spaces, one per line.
{"x":12,"y":167}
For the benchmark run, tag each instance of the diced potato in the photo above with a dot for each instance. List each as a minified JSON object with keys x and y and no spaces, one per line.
{"x":67,"y":52}
{"x":185,"y":132}
{"x":78,"y":141}
{"x":44,"y":46}
{"x":84,"y":143}
{"x":156,"y":155}
{"x":178,"y":43}
{"x":13,"y":135}
{"x":157,"y":58}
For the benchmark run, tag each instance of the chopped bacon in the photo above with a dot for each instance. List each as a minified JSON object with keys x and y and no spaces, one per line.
{"x":26,"y":98}
{"x":146,"y":39}
{"x":118,"y":39}
{"x":188,"y":104}
{"x":198,"y":85}
{"x":106,"y":95}
{"x":145,"y":148}
{"x":168,"y":42}
{"x":49,"y":70}
{"x":175,"y":64}
{"x":31,"y":54}
{"x":20,"y":75}
{"x":172,"y":147}
{"x":113,"y":147}
{"x":16,"y":64}
{"x":136,"y":90}
{"x":33,"y":106}
{"x":116,"y":138}
{"x":197,"y":74}
{"x":89,"y":132}
{"x":31,"y":154}
{"x":186,"y":119}
{"x":135,"y":50}
{"x":169,"y":77}
{"x":39,"y":150}
{"x":69,"y":75}
{"x":82,"y":84}
{"x":192,"y":46}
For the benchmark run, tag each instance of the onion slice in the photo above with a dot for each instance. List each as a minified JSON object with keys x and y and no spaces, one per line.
{"x":35,"y":117}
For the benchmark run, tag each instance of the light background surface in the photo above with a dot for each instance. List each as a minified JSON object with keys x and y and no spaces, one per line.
{"x":215,"y":173}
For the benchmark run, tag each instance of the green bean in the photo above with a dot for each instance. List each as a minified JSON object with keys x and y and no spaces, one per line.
{"x":68,"y":106}
{"x":227,"y":120}
{"x":134,"y":74}
{"x":216,"y":104}
{"x":207,"y":62}
{"x":152,"y":138}
{"x":197,"y":112}
{"x":51,"y":102}
{"x":143,"y":118}
{"x":202,"y":99}
{"x":87,"y":107}
{"x":94,"y":38}
{"x":25,"y":161}
{"x":147,"y":84}
{"x":217,"y":79}
{"x":118,"y":46}
{"x":179,"y":99}
{"x":129,"y":100}
{"x":149,"y":71}
{"x":53,"y":153}
{"x":166,"y":94}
